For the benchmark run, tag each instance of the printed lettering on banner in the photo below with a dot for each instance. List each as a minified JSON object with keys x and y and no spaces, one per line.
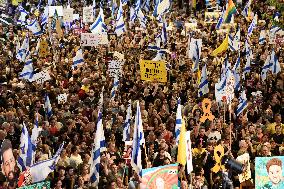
{"x":68,"y":15}
{"x":115,"y":68}
{"x":211,"y":17}
{"x":88,"y":15}
{"x":51,"y":10}
{"x":93,"y":40}
{"x":153,"y":70}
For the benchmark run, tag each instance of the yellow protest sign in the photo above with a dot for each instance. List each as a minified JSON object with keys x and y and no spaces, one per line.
{"x":151,"y":70}
{"x":43,"y":49}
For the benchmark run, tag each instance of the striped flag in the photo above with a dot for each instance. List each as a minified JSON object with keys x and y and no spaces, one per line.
{"x":146,"y":5}
{"x":142,"y":18}
{"x":246,"y":9}
{"x":234,"y":41}
{"x":23,"y":14}
{"x":160,"y":55}
{"x":24,"y":50}
{"x":162,"y":7}
{"x":126,"y":126}
{"x":237,"y":64}
{"x":78,"y":59}
{"x":237,"y":81}
{"x":203,"y":84}
{"x":248,"y":52}
{"x":252,"y":25}
{"x":41,"y":170}
{"x":230,"y":11}
{"x":275,"y":68}
{"x":25,"y":158}
{"x":120,"y":26}
{"x":47,"y":106}
{"x":164,"y":34}
{"x":221,"y":19}
{"x":262,"y":37}
{"x":266,"y":67}
{"x":98,"y":147}
{"x":114,"y":87}
{"x":242,"y":103}
{"x":99,"y":26}
{"x":34,"y":27}
{"x":44,"y":17}
{"x":195,"y":48}
{"x":178,"y":121}
{"x":27,"y":72}
{"x":138,"y":141}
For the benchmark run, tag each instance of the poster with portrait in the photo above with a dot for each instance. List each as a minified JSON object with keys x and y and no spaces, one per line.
{"x":153,"y":70}
{"x":269,"y":172}
{"x":211,"y":17}
{"x":40,"y":185}
{"x":68,"y":15}
{"x":245,"y":160}
{"x":160,"y":177}
{"x":88,"y":14}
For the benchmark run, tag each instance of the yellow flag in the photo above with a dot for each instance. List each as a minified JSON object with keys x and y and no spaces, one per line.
{"x":181,"y":157}
{"x":198,"y":76}
{"x":222,"y":47}
{"x":58,"y":29}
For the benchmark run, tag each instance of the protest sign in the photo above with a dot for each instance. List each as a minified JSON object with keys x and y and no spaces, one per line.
{"x":245,"y":160}
{"x":93,"y":39}
{"x":112,"y":36}
{"x":211,"y":17}
{"x":269,"y":172}
{"x":51,"y":10}
{"x":160,"y":177}
{"x":40,"y":185}
{"x":115,"y":68}
{"x":68,"y":15}
{"x":76,"y":16}
{"x":191,"y":25}
{"x":151,"y":70}
{"x":88,"y":15}
{"x":43,"y":49}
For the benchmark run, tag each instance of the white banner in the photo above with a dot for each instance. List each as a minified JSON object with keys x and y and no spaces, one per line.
{"x":68,"y":15}
{"x":93,"y":40}
{"x":88,"y":15}
{"x":51,"y":10}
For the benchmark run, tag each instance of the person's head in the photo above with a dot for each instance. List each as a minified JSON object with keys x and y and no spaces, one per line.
{"x":202,"y":131}
{"x":278,"y":129}
{"x":167,"y":161}
{"x":277,"y":118}
{"x":264,"y":151}
{"x":8,"y":160}
{"x":274,"y":170}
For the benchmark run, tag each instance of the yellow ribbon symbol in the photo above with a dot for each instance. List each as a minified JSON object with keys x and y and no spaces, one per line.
{"x":218,"y":154}
{"x":206,"y":106}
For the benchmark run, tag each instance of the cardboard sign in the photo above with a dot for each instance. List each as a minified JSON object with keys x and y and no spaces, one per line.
{"x":211,"y":17}
{"x":153,"y":70}
{"x":112,"y":36}
{"x":68,"y":15}
{"x":115,"y":68}
{"x":43,"y":49}
{"x":245,"y":160}
{"x":88,"y":14}
{"x":51,"y":10}
{"x":206,"y":107}
{"x":93,"y":40}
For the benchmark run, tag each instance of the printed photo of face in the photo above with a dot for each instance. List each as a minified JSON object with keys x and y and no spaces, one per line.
{"x":275,"y":174}
{"x":7,"y":157}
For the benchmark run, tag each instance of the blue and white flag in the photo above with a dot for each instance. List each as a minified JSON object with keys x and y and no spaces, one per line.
{"x":142,"y":19}
{"x":23,"y":14}
{"x":203,"y":85}
{"x":120,"y":26}
{"x":274,"y":29}
{"x":24,"y":50}
{"x":221,"y":19}
{"x":35,"y":131}
{"x":137,"y":5}
{"x":78,"y":59}
{"x":262,"y":37}
{"x":234,"y":41}
{"x":245,"y":11}
{"x":275,"y":68}
{"x":98,"y":147}
{"x":34,"y":27}
{"x":252,"y":25}
{"x":146,"y":5}
{"x":266,"y":67}
{"x":114,"y":87}
{"x":27,"y":72}
{"x":25,"y":158}
{"x":242,"y":103}
{"x":162,"y":7}
{"x":248,"y":54}
{"x":237,"y":65}
{"x":138,"y":141}
{"x":164,"y":34}
{"x":178,"y":121}
{"x":94,"y":8}
{"x":99,"y":26}
{"x":47,"y":106}
{"x":44,"y":17}
{"x":126,"y":126}
{"x":220,"y":89}
{"x":276,"y":16}
{"x":132,"y":15}
{"x":196,"y":53}
{"x":41,"y":170}
{"x":124,"y":2}
{"x":237,"y":81}
{"x":161,"y":55}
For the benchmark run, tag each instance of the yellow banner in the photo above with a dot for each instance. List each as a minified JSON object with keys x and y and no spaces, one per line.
{"x":151,"y":70}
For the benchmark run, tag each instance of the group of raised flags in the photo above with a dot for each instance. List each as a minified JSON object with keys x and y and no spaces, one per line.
{"x":227,"y":14}
{"x":99,"y":26}
{"x":120,"y":25}
{"x":234,"y":41}
{"x":271,"y":64}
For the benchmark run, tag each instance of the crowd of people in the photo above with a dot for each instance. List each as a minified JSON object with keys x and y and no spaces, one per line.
{"x":258,"y":130}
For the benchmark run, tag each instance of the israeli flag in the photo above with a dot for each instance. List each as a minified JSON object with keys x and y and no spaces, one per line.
{"x":276,"y":16}
{"x":78,"y":59}
{"x":41,"y":170}
{"x":124,"y":2}
{"x":221,"y":19}
{"x":195,"y":55}
{"x":34,"y":27}
{"x":203,"y":85}
{"x":137,"y":5}
{"x":138,"y":141}
{"x":37,"y":47}
{"x":237,"y":81}
{"x":35,"y":132}
{"x":160,"y":55}
{"x":94,"y":8}
{"x":25,"y":158}
{"x":146,"y":5}
{"x":252,"y":25}
{"x":98,"y":147}
{"x":276,"y":68}
{"x":234,"y":41}
{"x":178,"y":121}
{"x":162,"y":7}
{"x":44,"y":17}
{"x":274,"y":29}
{"x":24,"y":50}
{"x":27,"y":72}
{"x":120,"y":26}
{"x":115,"y":87}
{"x":23,"y":14}
{"x":266,"y":67}
{"x":237,"y":64}
{"x":126,"y":126}
{"x":157,"y":46}
{"x":47,"y":106}
{"x":220,"y":88}
{"x":51,"y":2}
{"x":245,"y":11}
{"x":242,"y":103}
{"x":262,"y":37}
{"x":164,"y":34}
{"x":99,"y":26}
{"x":248,"y":52}
{"x":141,"y":18}
{"x":132,"y":15}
